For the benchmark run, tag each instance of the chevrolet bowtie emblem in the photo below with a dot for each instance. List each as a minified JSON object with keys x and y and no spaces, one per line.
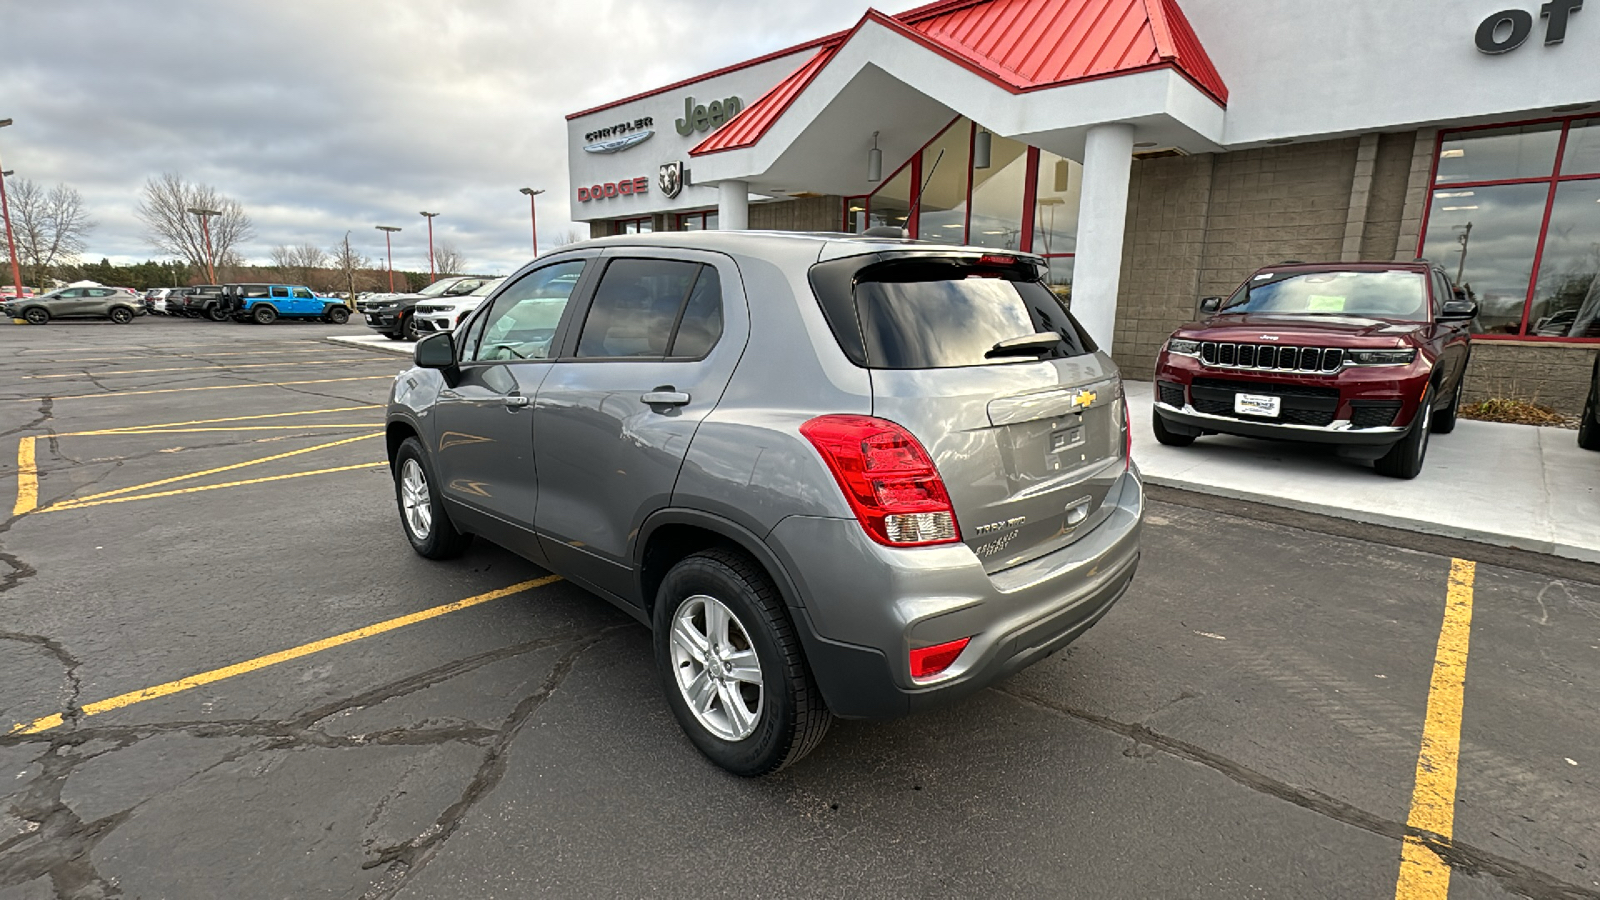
{"x":1084,"y":399}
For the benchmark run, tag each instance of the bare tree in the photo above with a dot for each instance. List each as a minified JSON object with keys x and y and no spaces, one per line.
{"x":171,"y":228}
{"x":301,"y":263}
{"x":49,"y":226}
{"x":347,"y":264}
{"x":570,"y":236}
{"x":448,"y":260}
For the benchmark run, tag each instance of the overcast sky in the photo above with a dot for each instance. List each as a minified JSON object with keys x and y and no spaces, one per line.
{"x":322,"y":117}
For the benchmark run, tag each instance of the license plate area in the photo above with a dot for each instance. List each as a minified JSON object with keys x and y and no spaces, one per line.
{"x":1262,"y":405}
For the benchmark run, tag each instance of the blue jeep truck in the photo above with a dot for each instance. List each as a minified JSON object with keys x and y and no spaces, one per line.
{"x":267,"y":303}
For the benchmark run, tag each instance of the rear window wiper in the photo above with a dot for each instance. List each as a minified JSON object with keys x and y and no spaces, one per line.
{"x":1027,"y":345}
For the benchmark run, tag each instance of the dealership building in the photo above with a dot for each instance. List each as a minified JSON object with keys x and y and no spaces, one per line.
{"x":1159,"y":151}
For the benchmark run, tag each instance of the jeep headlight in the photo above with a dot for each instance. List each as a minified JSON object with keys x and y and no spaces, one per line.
{"x":1183,"y":347}
{"x":1381,"y":357}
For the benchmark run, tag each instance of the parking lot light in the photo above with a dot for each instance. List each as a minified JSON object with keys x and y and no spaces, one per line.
{"x":429,"y":216}
{"x":205,"y":226}
{"x":11,"y":238}
{"x":388,"y":231}
{"x":533,"y":212}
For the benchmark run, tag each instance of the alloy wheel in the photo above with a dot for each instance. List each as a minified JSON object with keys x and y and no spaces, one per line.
{"x":414,"y":499}
{"x":716,"y":667}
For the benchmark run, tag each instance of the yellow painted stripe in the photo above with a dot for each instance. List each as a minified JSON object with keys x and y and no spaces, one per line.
{"x":213,"y":387}
{"x":209,"y":487}
{"x":1423,"y":875}
{"x":80,"y":501}
{"x":261,"y":662}
{"x":228,"y":366}
{"x":305,"y":412}
{"x":223,"y":429}
{"x":134,"y":359}
{"x":27,"y":478}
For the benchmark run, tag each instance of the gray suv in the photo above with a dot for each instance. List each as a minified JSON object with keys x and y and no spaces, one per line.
{"x":835,"y":475}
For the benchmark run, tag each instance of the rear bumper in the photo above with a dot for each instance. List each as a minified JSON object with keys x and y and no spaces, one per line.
{"x":864,"y":606}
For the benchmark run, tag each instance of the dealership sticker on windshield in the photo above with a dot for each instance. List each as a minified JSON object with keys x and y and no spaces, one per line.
{"x":1324,"y":303}
{"x":1257,"y":405}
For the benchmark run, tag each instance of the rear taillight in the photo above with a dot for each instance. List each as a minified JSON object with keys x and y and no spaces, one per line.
{"x":927,"y":662}
{"x":888,"y":478}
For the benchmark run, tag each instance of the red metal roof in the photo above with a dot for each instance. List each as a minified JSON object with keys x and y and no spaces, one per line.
{"x":1021,"y":45}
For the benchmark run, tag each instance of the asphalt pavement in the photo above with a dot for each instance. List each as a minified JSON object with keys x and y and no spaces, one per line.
{"x":223,"y":672}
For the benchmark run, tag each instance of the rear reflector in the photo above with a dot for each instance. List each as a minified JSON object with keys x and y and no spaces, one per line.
{"x":927,"y":662}
{"x":888,"y":479}
{"x":997,"y":260}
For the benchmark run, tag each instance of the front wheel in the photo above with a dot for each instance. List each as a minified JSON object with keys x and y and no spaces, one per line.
{"x":732,"y":667}
{"x":1404,"y":459}
{"x":1167,"y":437}
{"x":217,"y":313}
{"x":338,"y":315}
{"x":1444,"y":421}
{"x":422,"y":514}
{"x":121,"y":315}
{"x":37,"y":315}
{"x":408,"y":329}
{"x":394,"y":335}
{"x":264,"y":314}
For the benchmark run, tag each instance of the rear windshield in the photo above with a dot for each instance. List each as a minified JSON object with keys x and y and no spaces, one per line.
{"x":1397,"y":295}
{"x":938,"y":313}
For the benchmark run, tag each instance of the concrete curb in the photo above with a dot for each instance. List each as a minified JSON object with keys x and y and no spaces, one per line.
{"x":374,"y":344}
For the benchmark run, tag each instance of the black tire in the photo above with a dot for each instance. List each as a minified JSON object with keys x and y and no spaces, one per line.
{"x":792,"y":717}
{"x":263,"y":314}
{"x":121,"y":315}
{"x":1166,"y":437}
{"x":338,"y":315}
{"x":36,"y":315}
{"x":394,"y":335}
{"x":408,"y":328}
{"x":217,"y":313}
{"x":1405,"y":458}
{"x":1589,"y":429}
{"x":438,"y":538}
{"x":1444,"y":420}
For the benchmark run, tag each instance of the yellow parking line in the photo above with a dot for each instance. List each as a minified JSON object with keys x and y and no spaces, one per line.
{"x":214,"y":387}
{"x":261,"y":662}
{"x":210,"y":487}
{"x":1423,"y":875}
{"x":27,"y":479}
{"x":305,"y":412}
{"x":231,"y":428}
{"x":125,"y":359}
{"x":229,"y":367}
{"x":79,"y":501}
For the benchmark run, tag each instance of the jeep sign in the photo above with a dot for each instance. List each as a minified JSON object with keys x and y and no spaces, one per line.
{"x":708,"y":117}
{"x":1509,"y":29}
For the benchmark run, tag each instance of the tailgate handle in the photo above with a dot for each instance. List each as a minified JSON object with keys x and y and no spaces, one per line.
{"x":665,"y":396}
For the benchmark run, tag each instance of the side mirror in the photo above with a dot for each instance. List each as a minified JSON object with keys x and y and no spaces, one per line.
{"x":436,"y":351}
{"x":1458,"y":310}
{"x":1211,"y":304}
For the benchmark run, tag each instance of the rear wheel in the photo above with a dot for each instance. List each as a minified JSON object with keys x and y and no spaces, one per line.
{"x":1404,"y":459}
{"x":264,"y":314}
{"x":338,"y":315}
{"x":121,"y":315}
{"x":422,"y":514}
{"x":732,"y":667}
{"x":394,"y":335}
{"x":1167,"y":437}
{"x":217,"y":313}
{"x":38,"y":315}
{"x":1589,"y":430}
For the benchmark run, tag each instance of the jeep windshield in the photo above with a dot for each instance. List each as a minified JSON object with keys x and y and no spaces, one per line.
{"x":1396,"y":295}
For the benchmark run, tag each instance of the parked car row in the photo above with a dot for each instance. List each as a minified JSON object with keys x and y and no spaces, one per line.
{"x":438,"y":307}
{"x":259,"y":303}
{"x":120,"y":305}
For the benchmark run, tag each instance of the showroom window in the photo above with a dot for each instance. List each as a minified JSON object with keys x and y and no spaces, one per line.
{"x":1515,"y":221}
{"x":643,"y":225}
{"x":705,"y":220}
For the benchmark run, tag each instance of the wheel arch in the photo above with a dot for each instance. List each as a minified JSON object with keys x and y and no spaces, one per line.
{"x":669,"y":535}
{"x":395,"y":434}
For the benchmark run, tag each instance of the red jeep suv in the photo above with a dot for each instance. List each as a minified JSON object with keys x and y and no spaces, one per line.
{"x":1368,"y":356}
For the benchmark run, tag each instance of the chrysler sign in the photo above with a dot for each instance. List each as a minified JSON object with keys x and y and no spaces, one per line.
{"x":1505,"y":31}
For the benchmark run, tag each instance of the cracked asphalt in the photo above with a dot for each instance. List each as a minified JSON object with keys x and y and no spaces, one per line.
{"x":1245,"y":723}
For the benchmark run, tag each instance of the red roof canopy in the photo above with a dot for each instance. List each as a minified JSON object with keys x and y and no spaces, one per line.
{"x":1021,"y":45}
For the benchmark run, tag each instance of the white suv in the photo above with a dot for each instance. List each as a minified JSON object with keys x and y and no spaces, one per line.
{"x":444,"y":313}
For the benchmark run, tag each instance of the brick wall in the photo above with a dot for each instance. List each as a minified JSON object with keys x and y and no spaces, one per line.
{"x":1556,"y":375}
{"x":1387,"y":202}
{"x":804,"y":214}
{"x":1168,"y":202}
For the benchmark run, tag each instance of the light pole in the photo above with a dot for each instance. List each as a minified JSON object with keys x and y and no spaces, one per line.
{"x":388,"y":231}
{"x":429,"y":216}
{"x":205,"y":225}
{"x":533,"y":213}
{"x":11,"y":239}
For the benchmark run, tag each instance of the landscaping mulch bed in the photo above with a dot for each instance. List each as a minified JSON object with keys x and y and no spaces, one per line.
{"x":1517,"y":412}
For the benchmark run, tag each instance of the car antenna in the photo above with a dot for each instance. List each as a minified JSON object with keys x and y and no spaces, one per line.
{"x":916,"y":202}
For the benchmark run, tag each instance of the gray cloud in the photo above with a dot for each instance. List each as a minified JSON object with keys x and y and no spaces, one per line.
{"x":325,"y":117}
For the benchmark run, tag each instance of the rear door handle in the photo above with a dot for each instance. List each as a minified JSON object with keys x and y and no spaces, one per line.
{"x":665,"y":398}
{"x":515,"y":402}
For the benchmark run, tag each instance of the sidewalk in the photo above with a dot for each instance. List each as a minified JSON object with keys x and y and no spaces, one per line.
{"x":375,"y":342}
{"x":1506,"y":485}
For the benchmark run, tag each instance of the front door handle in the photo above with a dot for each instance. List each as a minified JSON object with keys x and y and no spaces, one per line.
{"x":665,"y":398}
{"x":515,"y":402}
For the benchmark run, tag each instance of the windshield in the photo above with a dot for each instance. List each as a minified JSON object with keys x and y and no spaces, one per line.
{"x":1371,"y":295}
{"x":487,"y":287}
{"x":437,"y":288}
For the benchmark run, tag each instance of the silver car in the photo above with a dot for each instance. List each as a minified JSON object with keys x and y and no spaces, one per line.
{"x":836,"y":476}
{"x":445,"y":313}
{"x":120,"y":305}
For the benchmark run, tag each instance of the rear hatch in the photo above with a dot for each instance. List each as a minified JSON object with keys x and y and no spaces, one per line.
{"x":1028,"y":435}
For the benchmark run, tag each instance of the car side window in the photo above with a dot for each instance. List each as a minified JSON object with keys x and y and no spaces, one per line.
{"x":302,"y":294}
{"x":701,"y":323}
{"x":280,"y":292}
{"x":635,"y":308}
{"x":522,"y":324}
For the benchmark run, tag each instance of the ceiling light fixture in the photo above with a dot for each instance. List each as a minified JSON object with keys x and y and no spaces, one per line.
{"x":981,"y":145}
{"x":874,"y":161}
